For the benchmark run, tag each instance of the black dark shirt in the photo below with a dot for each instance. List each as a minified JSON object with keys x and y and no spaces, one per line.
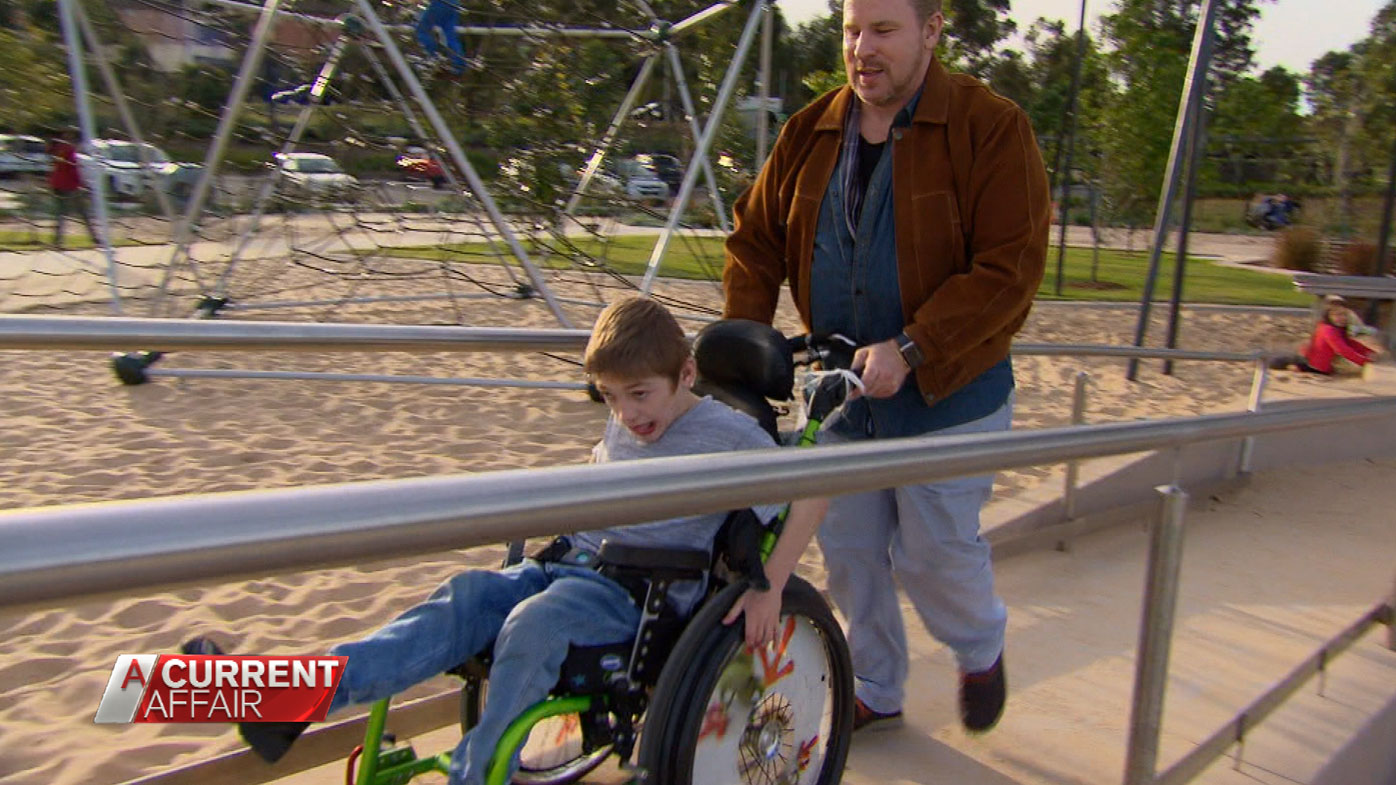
{"x":868,"y":156}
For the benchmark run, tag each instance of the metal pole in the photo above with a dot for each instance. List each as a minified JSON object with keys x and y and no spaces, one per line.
{"x":1078,"y":416}
{"x":763,"y":88}
{"x":118,"y":96}
{"x":317,"y":91}
{"x":1193,"y":86}
{"x":443,"y":131}
{"x":690,"y":175}
{"x":1155,"y":637}
{"x":681,"y":82}
{"x":598,"y":155}
{"x":82,"y":98}
{"x":1384,"y":235}
{"x":1196,"y":145}
{"x":527,"y":31}
{"x":1391,"y":618}
{"x":251,"y":65}
{"x":1258,"y":380}
{"x":55,"y":554}
{"x":1069,"y":134}
{"x":412,"y":120}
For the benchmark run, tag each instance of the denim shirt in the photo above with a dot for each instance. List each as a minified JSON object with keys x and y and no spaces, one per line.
{"x":854,"y":291}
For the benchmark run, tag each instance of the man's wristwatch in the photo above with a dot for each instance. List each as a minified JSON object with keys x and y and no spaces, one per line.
{"x":911,"y":353}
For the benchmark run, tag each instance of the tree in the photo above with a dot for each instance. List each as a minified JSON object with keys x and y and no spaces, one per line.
{"x":34,"y":91}
{"x":974,"y":32}
{"x":1152,"y":42}
{"x":1256,"y":131}
{"x":1335,"y":90}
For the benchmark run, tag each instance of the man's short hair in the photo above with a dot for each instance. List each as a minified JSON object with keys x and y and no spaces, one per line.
{"x":926,"y":8}
{"x":634,"y":338}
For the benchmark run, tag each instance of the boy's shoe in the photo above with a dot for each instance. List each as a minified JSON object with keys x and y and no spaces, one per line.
{"x":270,"y":740}
{"x":981,"y":697}
{"x":865,"y":718}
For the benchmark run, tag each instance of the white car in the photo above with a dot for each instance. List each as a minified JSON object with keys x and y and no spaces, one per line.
{"x":22,"y":155}
{"x":641,"y":180}
{"x":313,"y":174}
{"x":128,"y":170}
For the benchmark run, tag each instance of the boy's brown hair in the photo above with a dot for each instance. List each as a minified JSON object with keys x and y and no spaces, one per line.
{"x":634,"y":338}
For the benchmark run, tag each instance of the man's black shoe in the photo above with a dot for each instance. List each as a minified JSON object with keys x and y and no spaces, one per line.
{"x":981,"y":697}
{"x":270,"y":740}
{"x":865,"y":718}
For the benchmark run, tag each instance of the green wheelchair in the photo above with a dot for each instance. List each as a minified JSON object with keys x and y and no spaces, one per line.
{"x":685,"y":702}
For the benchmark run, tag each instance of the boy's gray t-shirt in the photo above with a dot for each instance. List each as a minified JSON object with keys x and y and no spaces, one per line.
{"x":710,"y":426}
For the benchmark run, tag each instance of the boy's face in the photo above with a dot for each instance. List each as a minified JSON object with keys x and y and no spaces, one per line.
{"x":647,"y":406}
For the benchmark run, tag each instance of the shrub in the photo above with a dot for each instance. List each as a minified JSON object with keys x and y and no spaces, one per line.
{"x":1358,"y":258}
{"x":1297,"y":248}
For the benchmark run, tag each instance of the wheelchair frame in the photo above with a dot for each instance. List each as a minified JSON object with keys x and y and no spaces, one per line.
{"x":666,"y":701}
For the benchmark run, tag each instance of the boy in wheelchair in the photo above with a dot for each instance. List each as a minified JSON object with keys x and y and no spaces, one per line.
{"x":534,"y":611}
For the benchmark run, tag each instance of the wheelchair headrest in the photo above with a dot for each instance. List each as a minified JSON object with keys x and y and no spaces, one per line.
{"x":739,"y":354}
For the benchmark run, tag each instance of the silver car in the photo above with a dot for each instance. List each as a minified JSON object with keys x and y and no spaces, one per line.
{"x":20,"y":154}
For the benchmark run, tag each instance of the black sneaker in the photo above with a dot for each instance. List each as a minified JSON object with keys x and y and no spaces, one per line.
{"x":981,"y":697}
{"x":270,"y":740}
{"x":865,"y":718}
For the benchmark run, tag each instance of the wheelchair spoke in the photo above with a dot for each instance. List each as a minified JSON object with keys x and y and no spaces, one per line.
{"x":768,"y":720}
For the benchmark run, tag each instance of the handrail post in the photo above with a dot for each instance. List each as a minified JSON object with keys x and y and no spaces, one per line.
{"x":1258,"y":380}
{"x":1155,"y":637}
{"x":1078,"y":417}
{"x":1391,"y":618}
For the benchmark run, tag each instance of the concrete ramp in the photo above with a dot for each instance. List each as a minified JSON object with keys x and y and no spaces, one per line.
{"x":1272,"y":570}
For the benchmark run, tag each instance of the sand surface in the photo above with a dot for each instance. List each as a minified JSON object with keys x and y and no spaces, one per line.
{"x":73,"y":434}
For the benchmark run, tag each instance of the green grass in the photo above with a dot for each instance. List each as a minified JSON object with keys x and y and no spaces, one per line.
{"x":75,"y":238}
{"x":1120,"y":277}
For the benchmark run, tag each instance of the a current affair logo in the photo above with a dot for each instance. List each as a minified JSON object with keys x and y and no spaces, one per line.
{"x":221,"y":688}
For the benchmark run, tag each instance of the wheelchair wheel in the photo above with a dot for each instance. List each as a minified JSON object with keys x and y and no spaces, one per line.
{"x":553,"y":754}
{"x":781,"y":716}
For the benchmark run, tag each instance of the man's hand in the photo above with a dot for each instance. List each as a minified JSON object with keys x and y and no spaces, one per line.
{"x":882,"y":369}
{"x":762,"y":615}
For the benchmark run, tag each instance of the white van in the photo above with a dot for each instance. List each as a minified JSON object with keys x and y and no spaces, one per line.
{"x":129,"y":170}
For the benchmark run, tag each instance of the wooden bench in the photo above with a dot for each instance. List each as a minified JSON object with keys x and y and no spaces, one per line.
{"x":1364,"y":287}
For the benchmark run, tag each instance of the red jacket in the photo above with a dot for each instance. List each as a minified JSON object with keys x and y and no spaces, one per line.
{"x":64,"y":176}
{"x":1329,"y":341}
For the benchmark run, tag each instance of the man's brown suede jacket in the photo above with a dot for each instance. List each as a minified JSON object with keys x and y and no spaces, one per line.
{"x":971,"y":211}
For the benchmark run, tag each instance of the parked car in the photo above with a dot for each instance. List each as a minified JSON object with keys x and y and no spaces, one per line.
{"x":669,"y":168}
{"x":313,"y":174}
{"x":130,"y":171}
{"x":640,"y":181}
{"x":21,"y":154}
{"x":418,"y":164}
{"x":602,"y":184}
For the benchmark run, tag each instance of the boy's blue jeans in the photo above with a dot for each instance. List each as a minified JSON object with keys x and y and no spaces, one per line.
{"x":533,"y":612}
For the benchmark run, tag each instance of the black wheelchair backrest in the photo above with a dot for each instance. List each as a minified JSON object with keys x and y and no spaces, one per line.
{"x":746,"y":356}
{"x":742,"y":363}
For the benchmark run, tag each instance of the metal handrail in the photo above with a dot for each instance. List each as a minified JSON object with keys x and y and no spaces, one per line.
{"x":125,"y":334}
{"x":54,"y":554}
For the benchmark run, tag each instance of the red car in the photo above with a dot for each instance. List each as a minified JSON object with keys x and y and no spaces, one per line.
{"x":417,"y":164}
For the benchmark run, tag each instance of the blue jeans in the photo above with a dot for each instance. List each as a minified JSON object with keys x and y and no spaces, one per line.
{"x":533,"y":612}
{"x":926,"y":538}
{"x":443,"y":15}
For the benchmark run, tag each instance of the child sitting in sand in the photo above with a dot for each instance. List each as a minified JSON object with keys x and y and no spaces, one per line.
{"x":1330,"y":341}
{"x":640,"y":361}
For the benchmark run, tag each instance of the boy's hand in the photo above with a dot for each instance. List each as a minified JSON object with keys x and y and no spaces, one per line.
{"x":762,"y":610}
